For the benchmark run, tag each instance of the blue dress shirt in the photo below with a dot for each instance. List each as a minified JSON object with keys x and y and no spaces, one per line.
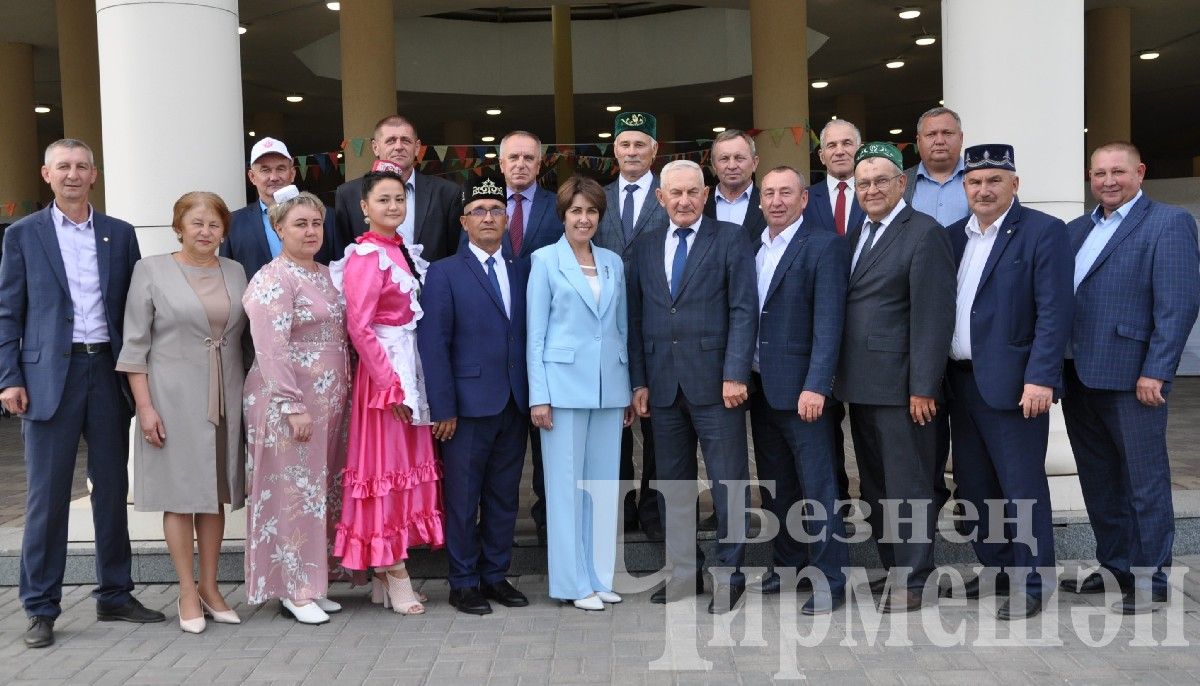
{"x":946,"y":202}
{"x":1099,"y":236}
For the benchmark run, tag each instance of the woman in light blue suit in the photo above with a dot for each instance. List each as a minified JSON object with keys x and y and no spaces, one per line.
{"x":579,"y":395}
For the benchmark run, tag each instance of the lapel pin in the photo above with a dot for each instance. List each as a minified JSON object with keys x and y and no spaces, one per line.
{"x":106,"y":239}
{"x":1009,"y":231}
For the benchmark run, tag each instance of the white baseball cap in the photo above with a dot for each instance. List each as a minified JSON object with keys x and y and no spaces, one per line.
{"x":267,"y":146}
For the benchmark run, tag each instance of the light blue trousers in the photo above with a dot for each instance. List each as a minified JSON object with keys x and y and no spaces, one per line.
{"x":581,"y":464}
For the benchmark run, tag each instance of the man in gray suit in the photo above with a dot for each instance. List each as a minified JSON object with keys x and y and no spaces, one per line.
{"x":693,"y":319}
{"x":632,"y":211}
{"x":899,"y":320}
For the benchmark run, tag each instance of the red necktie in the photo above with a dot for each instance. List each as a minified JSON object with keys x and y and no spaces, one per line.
{"x":516,"y":225}
{"x":839,"y":210}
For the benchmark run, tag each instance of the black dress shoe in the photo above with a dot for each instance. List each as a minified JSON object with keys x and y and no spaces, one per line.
{"x":132,"y":611}
{"x":971,"y":589}
{"x":709,"y":523}
{"x":1092,"y":583}
{"x":677,"y":589}
{"x":901,"y":600}
{"x":654,"y":530}
{"x":504,"y":593}
{"x":877,"y":586}
{"x":40,"y":633}
{"x":725,"y":598}
{"x":1138,"y":602}
{"x":770,"y":584}
{"x":470,"y":601}
{"x":823,"y":603}
{"x":1019,"y":606}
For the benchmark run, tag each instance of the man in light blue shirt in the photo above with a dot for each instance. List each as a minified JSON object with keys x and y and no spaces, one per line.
{"x":935,"y":185}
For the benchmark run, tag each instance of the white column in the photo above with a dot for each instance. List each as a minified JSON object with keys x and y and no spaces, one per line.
{"x":171,"y":104}
{"x":1013,"y":71}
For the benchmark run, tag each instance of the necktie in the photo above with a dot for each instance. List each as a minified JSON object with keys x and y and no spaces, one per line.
{"x":516,"y":225}
{"x":680,"y":260}
{"x":491,"y":265}
{"x":872,"y":227}
{"x":839,"y":210}
{"x":627,"y":211}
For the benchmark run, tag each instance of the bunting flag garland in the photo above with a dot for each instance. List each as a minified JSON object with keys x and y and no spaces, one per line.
{"x":798,"y":134}
{"x":776,"y":136}
{"x":357,"y":144}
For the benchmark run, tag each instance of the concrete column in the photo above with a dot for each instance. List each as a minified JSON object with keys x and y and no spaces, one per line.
{"x":1044,"y":63}
{"x":79,"y":69}
{"x":778,"y":46}
{"x":19,"y":159}
{"x":368,"y":38}
{"x":268,"y":123}
{"x":1107,"y":63}
{"x":144,"y":49}
{"x":564,"y":85}
{"x":852,"y":107}
{"x":460,"y":132}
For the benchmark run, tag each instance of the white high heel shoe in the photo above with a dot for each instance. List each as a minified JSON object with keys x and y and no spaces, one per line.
{"x":220,"y":616}
{"x":591,"y":603}
{"x":608,"y":597}
{"x":191,"y":626}
{"x":309,"y":613}
{"x":329,"y":606}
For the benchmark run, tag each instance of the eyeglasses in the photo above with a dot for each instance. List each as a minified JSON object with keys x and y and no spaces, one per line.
{"x":883,"y":183}
{"x":481,"y":212}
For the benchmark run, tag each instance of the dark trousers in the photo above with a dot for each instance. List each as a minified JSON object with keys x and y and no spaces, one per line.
{"x":941,"y":492}
{"x":721,"y":433}
{"x":798,"y":457}
{"x":1120,"y":448}
{"x":836,"y":412}
{"x":481,"y":486}
{"x":999,"y":454}
{"x":896,"y":462}
{"x":91,"y":407}
{"x":640,"y":506}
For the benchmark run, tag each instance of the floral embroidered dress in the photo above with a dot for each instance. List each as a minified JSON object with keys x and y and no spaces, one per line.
{"x":392,"y":483}
{"x":297,"y":320}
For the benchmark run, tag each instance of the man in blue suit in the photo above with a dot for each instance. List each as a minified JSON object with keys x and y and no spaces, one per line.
{"x":802,"y":272}
{"x":1137,"y":291}
{"x":533,"y":223}
{"x":472,"y":345}
{"x":632,"y":211}
{"x":692,"y":323}
{"x":1013,"y":319}
{"x":63,"y":281}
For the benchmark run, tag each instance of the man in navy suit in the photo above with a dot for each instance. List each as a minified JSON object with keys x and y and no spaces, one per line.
{"x":472,"y":345}
{"x":1013,"y":318}
{"x":692,"y":323}
{"x":1137,"y":291}
{"x":802,"y":274}
{"x":63,"y":281}
{"x":633,"y":211}
{"x":533,"y":223}
{"x":735,"y":198}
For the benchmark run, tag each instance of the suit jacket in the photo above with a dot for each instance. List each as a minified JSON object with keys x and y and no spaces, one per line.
{"x":437,"y":209}
{"x":910,"y":186}
{"x":611,"y":234}
{"x":473,"y":355}
{"x":818,"y":212}
{"x":899,"y":314}
{"x":1135,"y":307}
{"x":754,"y":221}
{"x":576,"y":354}
{"x":704,"y":335}
{"x":247,"y":240}
{"x":800,"y":327}
{"x":36,"y":312}
{"x":542,"y":225}
{"x":1022,"y":311}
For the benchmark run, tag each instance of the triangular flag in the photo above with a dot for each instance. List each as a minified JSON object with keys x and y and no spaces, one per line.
{"x":10,"y":208}
{"x":753,"y":133}
{"x":343,"y":145}
{"x":333,"y":159}
{"x":776,"y":136}
{"x":302,"y":161}
{"x":545,"y":150}
{"x":798,"y":134}
{"x":902,"y":146}
{"x":357,"y":144}
{"x":303,"y":172}
{"x":421,"y":152}
{"x":603,"y":148}
{"x":814,"y":141}
{"x":440,"y":151}
{"x":342,"y":170}
{"x":315,"y":170}
{"x":460,"y":151}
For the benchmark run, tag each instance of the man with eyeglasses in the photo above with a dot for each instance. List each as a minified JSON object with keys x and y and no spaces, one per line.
{"x":472,"y":346}
{"x":899,"y":319}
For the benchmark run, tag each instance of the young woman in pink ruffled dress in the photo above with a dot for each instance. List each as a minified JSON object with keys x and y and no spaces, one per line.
{"x":392,"y":482}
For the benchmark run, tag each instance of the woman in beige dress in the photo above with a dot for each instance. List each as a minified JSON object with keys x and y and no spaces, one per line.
{"x":183,"y":324}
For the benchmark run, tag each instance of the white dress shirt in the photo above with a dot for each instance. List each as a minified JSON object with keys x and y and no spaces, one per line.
{"x":501,"y":273}
{"x":77,"y":243}
{"x":733,"y":211}
{"x":862,"y":238}
{"x":770,"y":252}
{"x":970,"y":271}
{"x":639,"y":196}
{"x":831,"y":183}
{"x":673,"y":243}
{"x":408,"y":227}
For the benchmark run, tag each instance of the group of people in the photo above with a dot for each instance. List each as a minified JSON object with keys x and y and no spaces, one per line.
{"x":384,"y":402}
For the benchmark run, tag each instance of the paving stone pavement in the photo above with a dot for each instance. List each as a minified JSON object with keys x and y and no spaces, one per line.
{"x":548,"y":643}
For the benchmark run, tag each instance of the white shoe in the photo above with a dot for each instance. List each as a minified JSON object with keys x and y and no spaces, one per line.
{"x":329,"y":606}
{"x":310,"y":613}
{"x":591,"y":603}
{"x":191,"y":626}
{"x":608,"y":597}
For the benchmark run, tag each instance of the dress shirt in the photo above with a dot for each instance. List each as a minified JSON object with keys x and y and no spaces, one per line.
{"x":832,"y":183}
{"x":947,"y":201}
{"x":970,"y":271}
{"x":501,"y":273}
{"x":511,"y":206}
{"x":733,"y":211}
{"x":408,"y":227}
{"x":77,"y":243}
{"x":673,"y":243}
{"x":639,"y":196}
{"x":1098,"y":237}
{"x":765,"y":261}
{"x":862,"y":238}
{"x":274,"y":243}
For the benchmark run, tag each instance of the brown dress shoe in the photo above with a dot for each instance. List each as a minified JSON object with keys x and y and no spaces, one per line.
{"x":901,"y":600}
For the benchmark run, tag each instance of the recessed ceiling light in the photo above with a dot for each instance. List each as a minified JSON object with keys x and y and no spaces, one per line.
{"x":895,"y":132}
{"x":895,"y":64}
{"x":605,"y":134}
{"x":488,"y":139}
{"x":1148,"y":54}
{"x":335,"y":6}
{"x":926,"y":40}
{"x":820,"y":84}
{"x":295,"y":98}
{"x":942,"y":102}
{"x":613,"y":108}
{"x":834,"y":117}
{"x":725,"y":99}
{"x":1085,"y":129}
{"x":490,"y":155}
{"x":242,"y":30}
{"x":250,"y":134}
{"x":494,"y":111}
{"x":718,"y":129}
{"x":42,"y":109}
{"x":909,"y":13}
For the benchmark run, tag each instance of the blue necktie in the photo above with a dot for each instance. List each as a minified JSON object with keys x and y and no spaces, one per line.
{"x":491,"y":265}
{"x":680,"y":261}
{"x":627,"y":211}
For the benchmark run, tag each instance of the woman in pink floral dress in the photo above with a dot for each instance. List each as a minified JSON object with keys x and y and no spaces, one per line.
{"x":392,"y":483}
{"x":294,"y":406}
